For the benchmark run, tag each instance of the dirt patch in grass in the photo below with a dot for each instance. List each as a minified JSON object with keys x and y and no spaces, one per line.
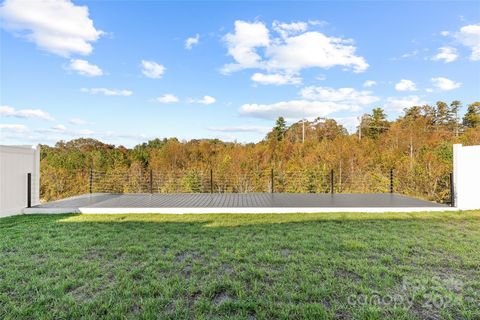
{"x":221,"y":297}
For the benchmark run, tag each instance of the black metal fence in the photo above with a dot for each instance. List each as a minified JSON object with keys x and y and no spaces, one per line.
{"x":76,"y":182}
{"x":207,"y":181}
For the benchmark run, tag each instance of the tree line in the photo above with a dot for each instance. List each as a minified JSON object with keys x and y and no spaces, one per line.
{"x":417,"y":145}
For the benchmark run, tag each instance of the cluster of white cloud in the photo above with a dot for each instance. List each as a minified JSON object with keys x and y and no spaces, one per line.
{"x":77,"y":121}
{"x":284,"y":56}
{"x":16,"y":128}
{"x":468,"y":36}
{"x":206,"y":100}
{"x":396,"y":104}
{"x":61,"y":129}
{"x":7,"y":111}
{"x":242,"y":128}
{"x":288,"y":29}
{"x":279,"y":53}
{"x":369,"y":83}
{"x":59,"y":26}
{"x":275,"y":79}
{"x":445,"y":84}
{"x":152,"y":69}
{"x":108,"y":92}
{"x":441,"y":83}
{"x":171,"y":98}
{"x":192,"y":41}
{"x":167,"y":98}
{"x":446,"y":54}
{"x":405,"y":85}
{"x":22,"y":133}
{"x":315,"y":102}
{"x":343,"y":95}
{"x":85,"y":68}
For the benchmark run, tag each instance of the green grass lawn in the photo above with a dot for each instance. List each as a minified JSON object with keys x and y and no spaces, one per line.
{"x":353,"y":265}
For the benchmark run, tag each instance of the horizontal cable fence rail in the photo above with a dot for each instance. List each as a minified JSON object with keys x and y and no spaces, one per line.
{"x":65,"y":183}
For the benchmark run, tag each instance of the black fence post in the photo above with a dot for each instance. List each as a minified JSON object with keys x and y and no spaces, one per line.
{"x":211,"y":180}
{"x":391,"y":180}
{"x":151,"y":181}
{"x":332,"y":183}
{"x":29,"y":190}
{"x":272,"y":189}
{"x":91,"y":179}
{"x":452,"y":191}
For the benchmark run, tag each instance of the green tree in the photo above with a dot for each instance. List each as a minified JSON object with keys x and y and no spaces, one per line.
{"x":442,"y":113}
{"x":279,"y":129}
{"x":376,"y":123}
{"x":471,"y":118}
{"x":192,"y":181}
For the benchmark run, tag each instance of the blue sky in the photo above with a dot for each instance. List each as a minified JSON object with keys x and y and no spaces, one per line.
{"x":125,"y":72}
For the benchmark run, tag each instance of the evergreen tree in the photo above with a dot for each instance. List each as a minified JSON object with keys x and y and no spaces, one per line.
{"x":376,"y":123}
{"x":442,"y":113}
{"x":472,"y":116}
{"x":453,"y":121}
{"x":279,"y":129}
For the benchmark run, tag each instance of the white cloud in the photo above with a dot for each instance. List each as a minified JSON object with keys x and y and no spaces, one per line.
{"x":350,"y":123}
{"x":314,"y":49}
{"x":342,"y":95}
{"x":445,"y":33}
{"x":294,"y":50}
{"x":16,"y":128}
{"x":191,"y":41}
{"x":445,"y":84}
{"x":469,"y":36}
{"x":7,"y":111}
{"x":86,"y":132}
{"x":244,"y":128}
{"x":152,"y":69}
{"x":275,"y":78}
{"x":397,"y":104}
{"x":85,"y":68}
{"x":57,"y":26}
{"x":315,"y":102}
{"x":167,"y":98}
{"x":242,"y":45}
{"x":59,"y":127}
{"x":294,"y":109}
{"x":108,"y":92}
{"x":405,"y":85}
{"x":122,"y":136}
{"x":446,"y":54}
{"x":369,"y":83}
{"x":78,"y":121}
{"x":287,"y":29}
{"x":206,"y":100}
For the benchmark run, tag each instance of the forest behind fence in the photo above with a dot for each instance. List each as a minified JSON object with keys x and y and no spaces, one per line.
{"x":417,"y":146}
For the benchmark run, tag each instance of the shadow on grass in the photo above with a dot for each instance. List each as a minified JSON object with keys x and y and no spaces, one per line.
{"x":236,"y":220}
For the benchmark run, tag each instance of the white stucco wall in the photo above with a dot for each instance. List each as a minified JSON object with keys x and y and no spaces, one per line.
{"x":466,"y":176}
{"x":15,"y":163}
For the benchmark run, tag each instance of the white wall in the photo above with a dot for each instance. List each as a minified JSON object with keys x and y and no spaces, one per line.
{"x":466,"y":176}
{"x":15,"y":163}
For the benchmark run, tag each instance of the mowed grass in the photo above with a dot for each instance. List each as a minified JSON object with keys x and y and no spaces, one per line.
{"x":265,"y":266}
